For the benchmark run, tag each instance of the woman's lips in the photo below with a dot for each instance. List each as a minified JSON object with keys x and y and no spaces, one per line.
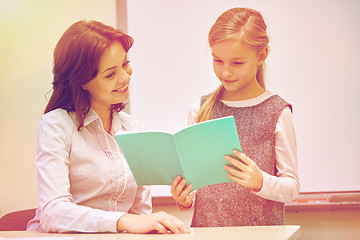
{"x":122,"y":89}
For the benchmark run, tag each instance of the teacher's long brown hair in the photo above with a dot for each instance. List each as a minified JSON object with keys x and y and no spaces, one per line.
{"x":76,"y":62}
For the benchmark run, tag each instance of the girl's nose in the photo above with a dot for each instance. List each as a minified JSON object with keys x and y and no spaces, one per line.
{"x":226,"y":72}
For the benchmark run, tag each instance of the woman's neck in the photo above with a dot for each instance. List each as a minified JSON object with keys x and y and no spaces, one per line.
{"x":107,"y":123}
{"x":105,"y":115}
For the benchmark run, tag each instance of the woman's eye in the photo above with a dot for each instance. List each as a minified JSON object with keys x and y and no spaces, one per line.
{"x":217,"y":60}
{"x":238,"y":63}
{"x":110,"y":75}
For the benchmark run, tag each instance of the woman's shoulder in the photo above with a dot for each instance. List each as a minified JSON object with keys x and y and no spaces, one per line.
{"x":57,"y":115}
{"x":58,"y":118}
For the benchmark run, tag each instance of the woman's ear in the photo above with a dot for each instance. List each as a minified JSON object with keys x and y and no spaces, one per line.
{"x":263,"y":55}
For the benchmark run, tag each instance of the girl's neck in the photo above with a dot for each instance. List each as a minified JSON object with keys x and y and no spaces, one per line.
{"x":243,"y":94}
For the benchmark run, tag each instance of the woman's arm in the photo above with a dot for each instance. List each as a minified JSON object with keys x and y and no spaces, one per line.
{"x":142,"y":203}
{"x":59,"y":213}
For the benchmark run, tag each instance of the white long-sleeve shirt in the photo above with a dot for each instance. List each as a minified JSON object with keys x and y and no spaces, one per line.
{"x":285,"y":186}
{"x":84,"y":182}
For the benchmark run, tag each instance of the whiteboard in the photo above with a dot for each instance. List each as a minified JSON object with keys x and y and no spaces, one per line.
{"x":313,"y":64}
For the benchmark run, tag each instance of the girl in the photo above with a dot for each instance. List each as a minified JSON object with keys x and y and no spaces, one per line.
{"x":85,"y":184}
{"x":266,"y":175}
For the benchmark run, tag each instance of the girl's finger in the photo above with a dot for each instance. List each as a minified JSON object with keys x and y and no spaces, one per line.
{"x":237,"y":163}
{"x":186,"y":192}
{"x":180,"y":187}
{"x":243,"y":157}
{"x":174,"y":184}
{"x":190,"y":198}
{"x":237,"y":180}
{"x":234,"y":172}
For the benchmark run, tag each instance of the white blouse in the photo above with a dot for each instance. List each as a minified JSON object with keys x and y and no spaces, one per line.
{"x":84,"y":181}
{"x":285,"y":186}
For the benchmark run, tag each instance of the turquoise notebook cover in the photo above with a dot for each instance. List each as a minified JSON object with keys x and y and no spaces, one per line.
{"x":196,"y":153}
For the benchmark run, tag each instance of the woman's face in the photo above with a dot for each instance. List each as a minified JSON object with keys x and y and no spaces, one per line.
{"x":235,"y":64}
{"x":111,"y":84}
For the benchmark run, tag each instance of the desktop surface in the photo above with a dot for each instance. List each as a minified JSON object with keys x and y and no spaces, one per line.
{"x":229,"y":233}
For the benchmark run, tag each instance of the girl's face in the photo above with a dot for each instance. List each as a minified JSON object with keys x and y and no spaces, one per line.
{"x":235,"y":64}
{"x":110,"y":86}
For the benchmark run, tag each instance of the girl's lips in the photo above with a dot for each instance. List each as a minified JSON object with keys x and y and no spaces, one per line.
{"x":228,"y":81}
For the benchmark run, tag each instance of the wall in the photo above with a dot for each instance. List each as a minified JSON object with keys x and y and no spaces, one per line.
{"x":313,"y":64}
{"x":29,"y":32}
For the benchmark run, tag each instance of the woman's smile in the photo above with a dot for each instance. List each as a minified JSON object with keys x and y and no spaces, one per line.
{"x":123,"y":89}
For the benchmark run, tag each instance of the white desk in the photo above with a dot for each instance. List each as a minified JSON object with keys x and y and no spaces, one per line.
{"x":221,"y":233}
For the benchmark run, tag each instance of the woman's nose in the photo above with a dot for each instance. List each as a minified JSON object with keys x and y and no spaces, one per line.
{"x":125,"y":75}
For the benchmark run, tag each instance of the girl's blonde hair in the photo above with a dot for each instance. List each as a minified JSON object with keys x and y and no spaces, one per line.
{"x":246,"y":25}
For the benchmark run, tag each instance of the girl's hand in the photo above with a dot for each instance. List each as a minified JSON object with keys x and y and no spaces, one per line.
{"x":181,"y":194}
{"x":249,"y":175}
{"x":159,"y":221}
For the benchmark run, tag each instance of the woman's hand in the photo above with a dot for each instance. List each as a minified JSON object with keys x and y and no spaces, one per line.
{"x":249,"y":175}
{"x":181,"y":194}
{"x":159,"y":221}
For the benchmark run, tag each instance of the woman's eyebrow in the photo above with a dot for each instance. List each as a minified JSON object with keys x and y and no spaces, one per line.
{"x":110,"y":68}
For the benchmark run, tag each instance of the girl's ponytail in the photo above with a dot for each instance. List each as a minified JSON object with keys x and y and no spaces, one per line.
{"x":206,"y":108}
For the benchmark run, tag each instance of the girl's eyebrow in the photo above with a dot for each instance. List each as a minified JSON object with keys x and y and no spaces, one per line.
{"x":238,"y":58}
{"x":110,"y":68}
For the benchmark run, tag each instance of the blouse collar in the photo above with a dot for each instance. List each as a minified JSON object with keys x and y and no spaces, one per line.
{"x":92,"y":116}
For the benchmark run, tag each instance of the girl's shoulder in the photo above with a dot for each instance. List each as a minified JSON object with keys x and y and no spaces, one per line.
{"x":193,"y":111}
{"x":279,"y":101}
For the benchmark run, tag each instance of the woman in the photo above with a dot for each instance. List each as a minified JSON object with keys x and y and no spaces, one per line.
{"x":85,"y":184}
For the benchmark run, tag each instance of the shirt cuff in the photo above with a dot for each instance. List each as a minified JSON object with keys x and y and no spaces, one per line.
{"x":262,"y":192}
{"x":109,"y":221}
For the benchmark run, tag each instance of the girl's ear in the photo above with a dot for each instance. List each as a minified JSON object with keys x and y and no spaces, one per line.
{"x":263,"y":55}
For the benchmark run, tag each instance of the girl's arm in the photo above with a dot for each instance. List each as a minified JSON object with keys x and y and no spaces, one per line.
{"x":285,"y":186}
{"x":193,"y":111}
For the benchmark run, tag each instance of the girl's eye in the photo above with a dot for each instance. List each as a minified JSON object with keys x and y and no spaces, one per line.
{"x":110,"y":75}
{"x":217,"y":60}
{"x":238,"y":63}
